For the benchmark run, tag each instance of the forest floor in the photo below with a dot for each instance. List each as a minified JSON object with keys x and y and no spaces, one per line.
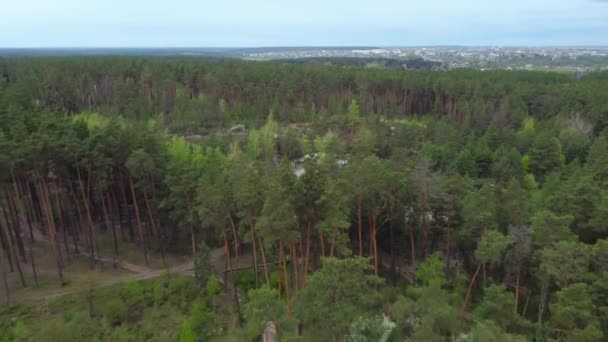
{"x":80,"y":274}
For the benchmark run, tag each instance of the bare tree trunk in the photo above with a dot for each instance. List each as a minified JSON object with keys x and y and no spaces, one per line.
{"x":322,"y":240}
{"x":360,"y":225}
{"x":523,"y":314}
{"x":412,"y":245}
{"x":141,"y":231}
{"x":154,"y":228}
{"x":465,"y":304}
{"x":5,"y":281}
{"x":255,"y":257}
{"x":286,"y":279}
{"x":264,"y":261}
{"x":51,"y":229}
{"x":61,"y":222}
{"x":33,"y":266}
{"x":448,"y":250}
{"x":110,"y":226}
{"x":294,"y":261}
{"x":228,"y":259}
{"x":425,"y":233}
{"x":541,"y":309}
{"x":516,"y":290}
{"x":85,"y":200}
{"x":15,"y":227}
{"x":11,"y":250}
{"x":307,"y":258}
{"x":375,"y":243}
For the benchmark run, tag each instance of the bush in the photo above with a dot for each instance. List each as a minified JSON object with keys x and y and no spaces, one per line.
{"x":115,"y":311}
{"x":245,"y":280}
{"x":182,"y":291}
{"x":132,"y":293}
{"x":159,"y":292}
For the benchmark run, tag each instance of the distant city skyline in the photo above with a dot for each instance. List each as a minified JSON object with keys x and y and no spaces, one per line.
{"x":240,"y":23}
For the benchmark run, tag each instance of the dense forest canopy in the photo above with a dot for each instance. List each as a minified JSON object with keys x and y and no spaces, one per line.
{"x":375,"y":204}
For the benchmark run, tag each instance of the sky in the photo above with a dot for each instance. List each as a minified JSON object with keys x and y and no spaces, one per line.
{"x":251,"y":23}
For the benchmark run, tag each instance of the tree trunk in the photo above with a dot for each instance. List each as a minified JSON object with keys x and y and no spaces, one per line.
{"x":137,"y":217}
{"x":322,"y":240}
{"x":469,"y":292}
{"x":264,"y":262}
{"x":51,"y":229}
{"x":110,"y":226}
{"x":374,"y":243}
{"x":61,"y":221}
{"x":85,"y":200}
{"x":448,"y":250}
{"x":33,"y":266}
{"x":360,"y":225}
{"x":516,"y":290}
{"x":541,"y":309}
{"x":307,"y":258}
{"x":154,"y":228}
{"x":425,"y":233}
{"x":255,"y":256}
{"x":523,"y":314}
{"x":412,"y":245}
{"x":129,"y":221}
{"x":295,"y":264}
{"x":11,"y":251}
{"x":282,"y":256}
{"x":228,"y":259}
{"x":5,"y":281}
{"x":16,"y":224}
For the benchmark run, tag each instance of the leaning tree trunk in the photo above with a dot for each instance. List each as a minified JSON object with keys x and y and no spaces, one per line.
{"x":110,"y":226}
{"x":5,"y":281}
{"x":44,"y":196}
{"x":265,"y":265}
{"x":465,"y":304}
{"x":155,"y":229}
{"x":138,"y":218}
{"x":11,"y":250}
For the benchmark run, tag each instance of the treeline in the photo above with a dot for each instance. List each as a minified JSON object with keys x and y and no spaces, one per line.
{"x":498,"y":227}
{"x":367,"y":62}
{"x":195,"y":94}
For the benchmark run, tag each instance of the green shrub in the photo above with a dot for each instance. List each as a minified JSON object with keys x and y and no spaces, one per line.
{"x":115,"y":311}
{"x":182,"y":291}
{"x":245,"y":280}
{"x":159,"y":291}
{"x":132,"y":293}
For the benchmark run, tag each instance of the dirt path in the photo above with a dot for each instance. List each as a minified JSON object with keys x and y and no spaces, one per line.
{"x":139,"y":272}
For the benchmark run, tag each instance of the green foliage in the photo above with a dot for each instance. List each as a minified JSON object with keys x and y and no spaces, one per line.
{"x":430,"y":272}
{"x":115,"y":311}
{"x":202,"y":265}
{"x":492,"y":246}
{"x":572,"y":313}
{"x":486,"y":154}
{"x":264,"y":307}
{"x":374,"y":328}
{"x":497,"y":307}
{"x":337,"y":294}
{"x":245,"y":280}
{"x":428,"y":317}
{"x":545,"y":155}
{"x":566,"y":255}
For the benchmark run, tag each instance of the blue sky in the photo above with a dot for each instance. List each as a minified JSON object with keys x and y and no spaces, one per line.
{"x":220,"y":23}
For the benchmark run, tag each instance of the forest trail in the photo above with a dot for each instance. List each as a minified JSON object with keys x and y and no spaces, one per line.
{"x":140,"y":272}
